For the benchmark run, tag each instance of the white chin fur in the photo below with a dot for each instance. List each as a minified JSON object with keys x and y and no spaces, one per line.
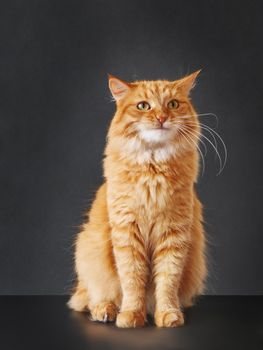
{"x":160,"y":148}
{"x":156,"y":136}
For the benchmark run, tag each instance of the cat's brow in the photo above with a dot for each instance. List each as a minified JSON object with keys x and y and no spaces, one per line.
{"x":156,"y":89}
{"x":146,"y":94}
{"x":151,"y":91}
{"x":143,"y":95}
{"x":166,"y":89}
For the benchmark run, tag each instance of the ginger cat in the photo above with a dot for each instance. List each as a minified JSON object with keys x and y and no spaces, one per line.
{"x":143,"y":247}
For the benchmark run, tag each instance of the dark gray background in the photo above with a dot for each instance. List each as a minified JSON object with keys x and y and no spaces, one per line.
{"x":55,"y":109}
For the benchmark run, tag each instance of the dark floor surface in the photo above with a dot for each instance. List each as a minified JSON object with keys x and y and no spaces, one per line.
{"x":44,"y":322}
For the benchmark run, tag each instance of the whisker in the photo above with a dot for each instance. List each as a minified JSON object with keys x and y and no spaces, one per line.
{"x":206,"y":127}
{"x":211,"y":131}
{"x":209,"y":114}
{"x":198,"y":139}
{"x":198,"y":148}
{"x":223,"y":143}
{"x":201,"y":115}
{"x":219,"y":157}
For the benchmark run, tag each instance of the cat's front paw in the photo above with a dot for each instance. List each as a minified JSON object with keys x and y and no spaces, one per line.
{"x":130,"y":319}
{"x":104,"y":312}
{"x":169,"y":318}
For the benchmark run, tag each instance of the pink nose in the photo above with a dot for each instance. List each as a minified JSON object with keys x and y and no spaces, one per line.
{"x":162,"y":119}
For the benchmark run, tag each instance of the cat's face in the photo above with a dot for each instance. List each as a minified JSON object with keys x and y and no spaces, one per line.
{"x":157,"y":113}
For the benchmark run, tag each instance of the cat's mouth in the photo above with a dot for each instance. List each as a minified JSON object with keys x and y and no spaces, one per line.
{"x":163,"y":128}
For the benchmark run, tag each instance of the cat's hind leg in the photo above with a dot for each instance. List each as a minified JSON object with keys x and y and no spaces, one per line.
{"x":79,"y":300}
{"x":102,"y":311}
{"x":95,"y":265}
{"x":96,"y":268}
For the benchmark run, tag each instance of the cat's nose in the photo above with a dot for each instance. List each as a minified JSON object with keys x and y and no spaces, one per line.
{"x":161,"y":119}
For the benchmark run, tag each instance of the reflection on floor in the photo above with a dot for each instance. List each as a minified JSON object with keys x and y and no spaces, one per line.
{"x":44,"y":322}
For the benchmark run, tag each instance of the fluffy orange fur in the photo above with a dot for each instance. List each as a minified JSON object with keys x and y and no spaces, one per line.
{"x":142,"y":249}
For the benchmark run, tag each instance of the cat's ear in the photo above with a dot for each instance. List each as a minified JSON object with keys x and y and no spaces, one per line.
{"x":118,"y":87}
{"x":187,"y":83}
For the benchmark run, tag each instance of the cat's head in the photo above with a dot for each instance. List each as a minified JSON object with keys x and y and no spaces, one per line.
{"x":154,"y":114}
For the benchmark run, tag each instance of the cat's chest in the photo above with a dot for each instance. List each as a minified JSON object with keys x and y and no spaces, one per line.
{"x":152,"y":197}
{"x":152,"y":193}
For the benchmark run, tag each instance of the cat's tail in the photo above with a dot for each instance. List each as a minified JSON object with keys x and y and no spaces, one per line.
{"x":79,"y":300}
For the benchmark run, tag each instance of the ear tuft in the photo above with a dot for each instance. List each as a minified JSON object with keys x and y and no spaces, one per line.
{"x":118,"y":87}
{"x":187,"y":83}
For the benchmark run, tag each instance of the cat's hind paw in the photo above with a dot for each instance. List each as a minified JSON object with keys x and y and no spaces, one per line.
{"x":78,"y":302}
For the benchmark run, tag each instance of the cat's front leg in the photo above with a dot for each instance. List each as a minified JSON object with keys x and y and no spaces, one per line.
{"x":132,"y":266}
{"x":168,"y":262}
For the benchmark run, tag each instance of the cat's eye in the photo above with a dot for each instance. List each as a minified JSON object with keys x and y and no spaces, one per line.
{"x":173,"y":104}
{"x":143,"y":106}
